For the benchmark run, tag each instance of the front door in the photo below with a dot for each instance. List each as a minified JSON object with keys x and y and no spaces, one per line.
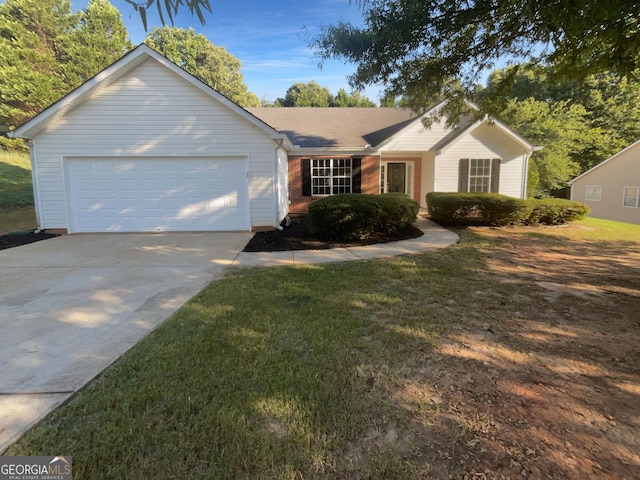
{"x":397,"y":177}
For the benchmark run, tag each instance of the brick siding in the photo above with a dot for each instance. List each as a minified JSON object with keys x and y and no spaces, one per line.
{"x":370,"y":179}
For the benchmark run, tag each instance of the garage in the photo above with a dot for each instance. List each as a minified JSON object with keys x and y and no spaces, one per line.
{"x":144,"y":146}
{"x":151,"y":194}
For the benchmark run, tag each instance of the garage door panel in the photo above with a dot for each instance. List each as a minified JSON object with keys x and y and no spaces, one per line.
{"x":158,"y":194}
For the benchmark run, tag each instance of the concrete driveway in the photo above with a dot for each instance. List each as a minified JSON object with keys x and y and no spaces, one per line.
{"x":72,"y":305}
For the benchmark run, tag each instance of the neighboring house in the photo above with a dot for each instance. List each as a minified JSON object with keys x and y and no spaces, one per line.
{"x":145,"y":146}
{"x":611,"y":189}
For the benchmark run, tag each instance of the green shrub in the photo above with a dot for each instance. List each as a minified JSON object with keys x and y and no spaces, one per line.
{"x":352,"y":216}
{"x":477,"y":209}
{"x":555,"y":211}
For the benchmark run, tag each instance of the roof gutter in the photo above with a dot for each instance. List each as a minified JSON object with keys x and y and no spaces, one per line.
{"x":366,"y":150}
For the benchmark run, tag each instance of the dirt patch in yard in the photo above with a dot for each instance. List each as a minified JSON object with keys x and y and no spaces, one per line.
{"x":552,"y":391}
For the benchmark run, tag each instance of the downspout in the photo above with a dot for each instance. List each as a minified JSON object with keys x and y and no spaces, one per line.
{"x":525,"y":177}
{"x":276,"y":205}
{"x":35,"y":184}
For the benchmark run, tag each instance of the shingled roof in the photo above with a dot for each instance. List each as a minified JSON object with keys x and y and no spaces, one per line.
{"x":319,"y":127}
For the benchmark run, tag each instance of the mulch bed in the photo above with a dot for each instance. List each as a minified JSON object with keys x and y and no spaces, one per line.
{"x":297,"y":236}
{"x":22,"y":238}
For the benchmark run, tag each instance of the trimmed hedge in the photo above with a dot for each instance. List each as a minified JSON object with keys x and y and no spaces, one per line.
{"x":477,"y":209}
{"x":556,"y":211}
{"x":352,"y":216}
{"x":499,"y":210}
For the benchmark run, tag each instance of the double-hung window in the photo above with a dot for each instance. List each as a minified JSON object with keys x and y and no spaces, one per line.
{"x":593,"y":193}
{"x":330,"y":176}
{"x":480,"y":175}
{"x":631,"y":197}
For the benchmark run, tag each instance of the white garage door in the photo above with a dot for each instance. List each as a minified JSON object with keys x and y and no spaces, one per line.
{"x":157,"y":194}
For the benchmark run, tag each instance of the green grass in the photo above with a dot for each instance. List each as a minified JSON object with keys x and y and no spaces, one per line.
{"x":16,"y":193}
{"x":15,"y":180}
{"x":271,"y":373}
{"x":288,"y":373}
{"x":17,"y":219}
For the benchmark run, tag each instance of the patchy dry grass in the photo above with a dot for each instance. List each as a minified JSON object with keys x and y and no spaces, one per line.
{"x":513,"y":354}
{"x":17,"y":219}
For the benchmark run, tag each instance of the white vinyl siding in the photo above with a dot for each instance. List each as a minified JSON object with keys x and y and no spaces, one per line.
{"x":484,"y":142}
{"x":151,"y":112}
{"x":416,"y":138}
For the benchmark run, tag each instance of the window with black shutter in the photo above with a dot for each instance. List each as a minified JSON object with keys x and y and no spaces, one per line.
{"x":479,"y":175}
{"x":330,"y":176}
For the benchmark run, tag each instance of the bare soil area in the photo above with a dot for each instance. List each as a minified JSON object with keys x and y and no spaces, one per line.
{"x":553,"y":392}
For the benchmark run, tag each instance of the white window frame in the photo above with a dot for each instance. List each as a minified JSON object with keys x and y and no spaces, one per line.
{"x":331,"y":176}
{"x":593,"y":193}
{"x":487,"y":177}
{"x":635,"y":197}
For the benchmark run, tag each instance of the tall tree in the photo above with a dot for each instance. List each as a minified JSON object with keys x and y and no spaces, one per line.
{"x":562,"y":129}
{"x":416,"y":47}
{"x":99,"y":39}
{"x":197,"y":55}
{"x":32,"y":33}
{"x":309,"y":94}
{"x":312,"y":94}
{"x":356,"y":99}
{"x":46,"y":50}
{"x":612,"y":112}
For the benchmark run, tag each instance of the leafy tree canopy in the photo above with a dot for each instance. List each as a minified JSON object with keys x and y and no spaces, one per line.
{"x":416,"y":47}
{"x":46,"y":50}
{"x":356,"y":99}
{"x":562,"y":129}
{"x":305,"y":95}
{"x":312,"y":94}
{"x":197,"y":55}
{"x":99,"y":39}
{"x":578,"y":123}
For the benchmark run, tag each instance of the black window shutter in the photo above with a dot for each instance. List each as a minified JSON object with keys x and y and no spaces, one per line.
{"x":495,"y":175}
{"x":306,"y":177}
{"x":463,"y":175}
{"x":356,"y":175}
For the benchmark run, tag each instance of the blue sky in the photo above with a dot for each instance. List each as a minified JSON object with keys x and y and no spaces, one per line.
{"x":269,"y":37}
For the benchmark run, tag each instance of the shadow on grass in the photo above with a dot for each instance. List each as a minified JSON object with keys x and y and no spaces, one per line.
{"x":15,"y":186}
{"x":443,"y":364}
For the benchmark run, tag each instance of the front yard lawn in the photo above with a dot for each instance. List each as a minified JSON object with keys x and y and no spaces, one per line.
{"x":15,"y":180}
{"x":16,"y":193}
{"x":513,"y":354}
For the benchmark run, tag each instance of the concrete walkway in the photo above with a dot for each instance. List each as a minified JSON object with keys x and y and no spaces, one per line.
{"x":70,"y":306}
{"x":434,"y":237}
